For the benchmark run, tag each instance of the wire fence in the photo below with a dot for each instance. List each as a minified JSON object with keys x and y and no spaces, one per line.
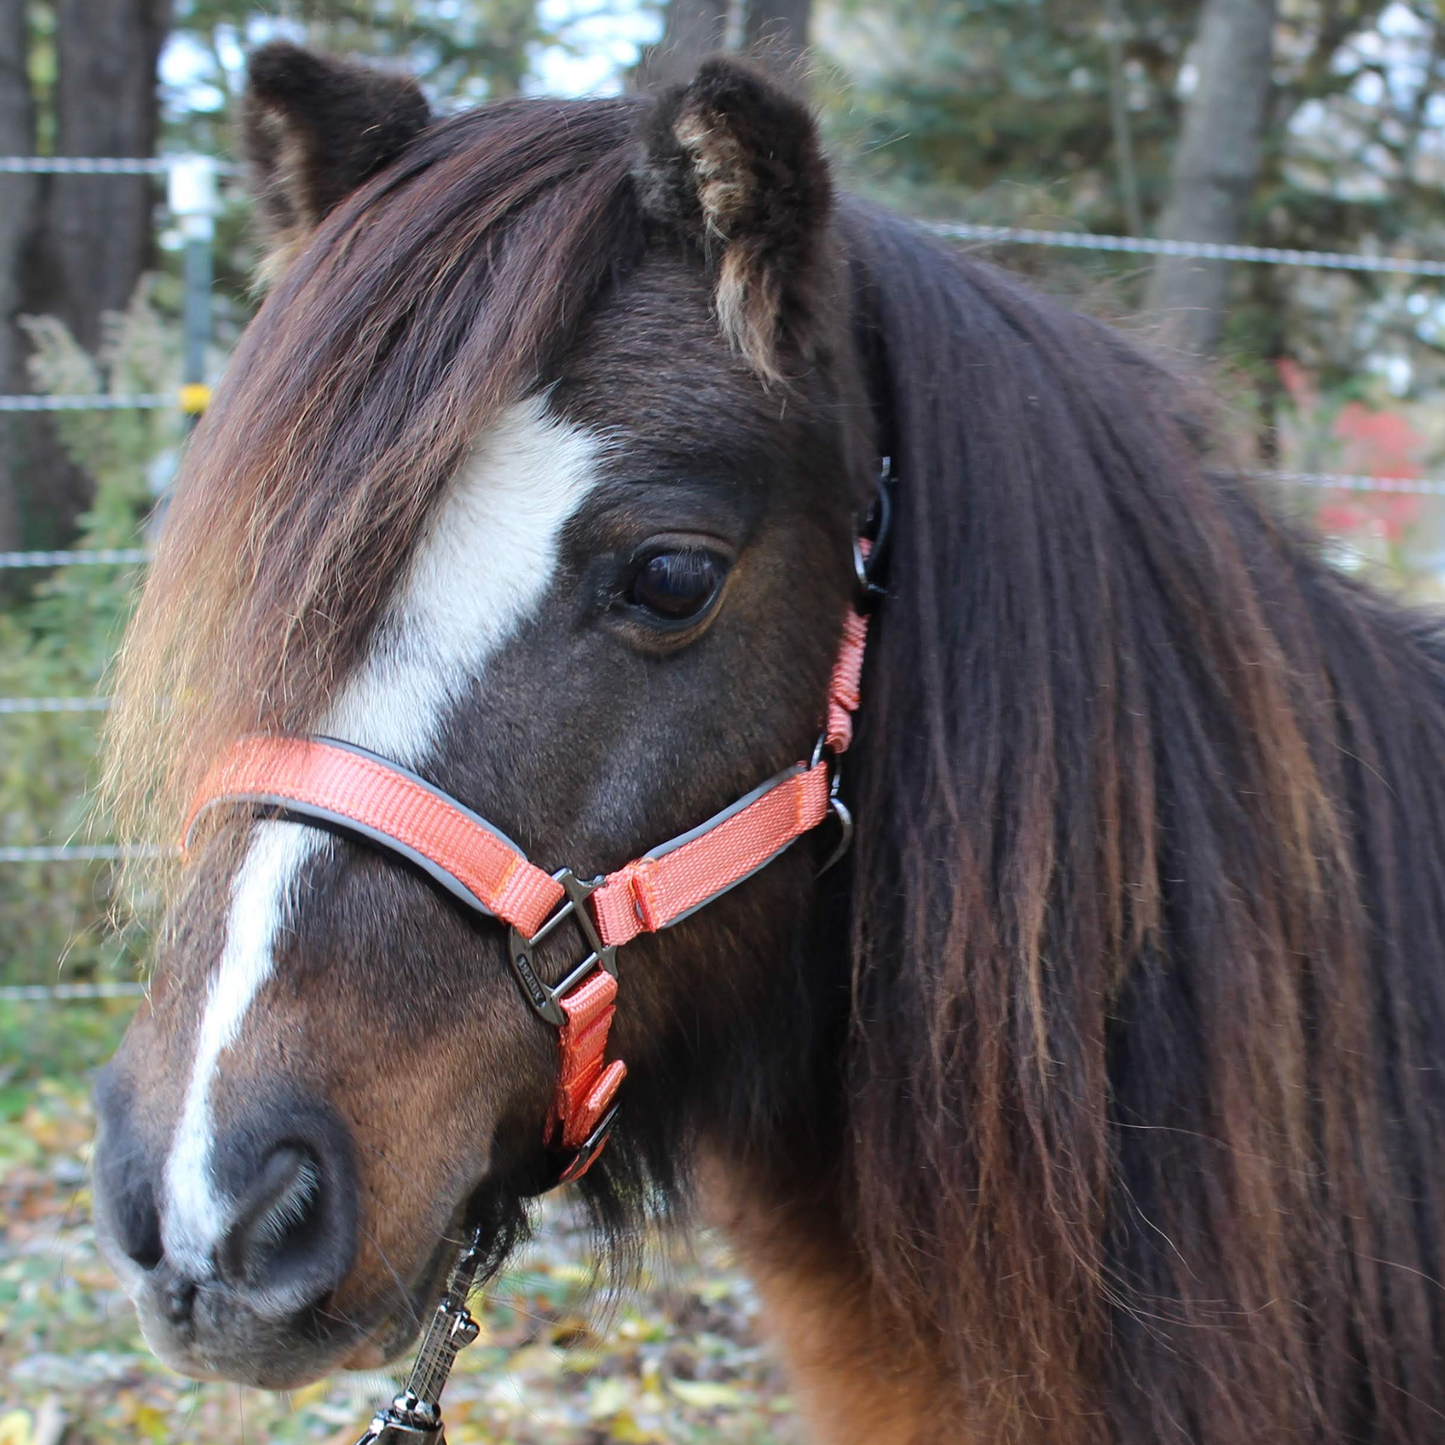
{"x":1195,"y":250}
{"x":955,"y":230}
{"x":78,"y":852}
{"x":53,"y":704}
{"x":952,"y":230}
{"x":76,"y":557}
{"x":86,"y":165}
{"x":1344,"y":482}
{"x":99,"y":165}
{"x":66,"y":992}
{"x":149,"y":401}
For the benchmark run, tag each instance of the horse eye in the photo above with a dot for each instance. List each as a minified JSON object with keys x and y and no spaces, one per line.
{"x":676,"y":586}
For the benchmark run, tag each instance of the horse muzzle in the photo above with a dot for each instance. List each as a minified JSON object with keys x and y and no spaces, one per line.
{"x":235,"y":1274}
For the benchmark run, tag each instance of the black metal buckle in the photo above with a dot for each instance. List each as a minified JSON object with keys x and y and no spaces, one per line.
{"x":545,"y":999}
{"x":839,"y":809}
{"x":589,"y":1148}
{"x":876,"y":527}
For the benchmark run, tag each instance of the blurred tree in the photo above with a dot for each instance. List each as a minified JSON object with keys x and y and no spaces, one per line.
{"x":776,"y":30}
{"x":1003,"y":112}
{"x":1004,"y":108}
{"x":477,"y":50}
{"x":79,"y":77}
{"x":691,"y":31}
{"x":1216,"y":167}
{"x":461,"y":52}
{"x":17,"y":206}
{"x":76,"y":79}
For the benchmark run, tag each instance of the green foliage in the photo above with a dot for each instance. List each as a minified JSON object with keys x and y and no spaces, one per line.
{"x":998,"y":111}
{"x":1000,"y":108}
{"x":56,"y":640}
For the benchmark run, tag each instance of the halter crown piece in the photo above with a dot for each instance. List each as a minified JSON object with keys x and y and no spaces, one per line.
{"x":379,"y":802}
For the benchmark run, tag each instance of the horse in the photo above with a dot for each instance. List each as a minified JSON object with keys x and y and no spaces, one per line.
{"x":1094,"y":1096}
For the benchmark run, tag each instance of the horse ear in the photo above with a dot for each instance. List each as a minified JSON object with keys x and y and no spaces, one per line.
{"x":312,"y":129}
{"x":734,"y":165}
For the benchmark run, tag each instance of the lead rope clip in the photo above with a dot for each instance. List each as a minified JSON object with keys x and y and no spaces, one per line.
{"x":415,"y":1414}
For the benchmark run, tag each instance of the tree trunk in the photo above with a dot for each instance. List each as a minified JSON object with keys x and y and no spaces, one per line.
{"x":691,"y":31}
{"x":99,"y":227}
{"x":777,"y":30}
{"x":17,"y":213}
{"x":92,"y":240}
{"x":1215,"y":167}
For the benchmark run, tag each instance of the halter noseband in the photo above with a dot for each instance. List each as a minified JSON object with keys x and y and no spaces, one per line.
{"x":378,"y":801}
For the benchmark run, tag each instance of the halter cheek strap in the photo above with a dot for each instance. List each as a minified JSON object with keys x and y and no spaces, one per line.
{"x":380,"y":802}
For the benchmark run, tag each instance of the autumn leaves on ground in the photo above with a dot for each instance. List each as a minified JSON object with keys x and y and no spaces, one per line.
{"x":673,"y":1361}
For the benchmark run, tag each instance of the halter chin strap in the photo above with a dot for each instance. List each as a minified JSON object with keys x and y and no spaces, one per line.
{"x":369,"y":797}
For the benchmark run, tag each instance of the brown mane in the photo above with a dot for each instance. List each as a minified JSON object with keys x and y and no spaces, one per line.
{"x":1150,"y":924}
{"x":429,"y":300}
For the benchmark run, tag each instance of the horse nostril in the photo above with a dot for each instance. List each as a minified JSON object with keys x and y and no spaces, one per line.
{"x":125,"y":1176}
{"x":137,"y":1224}
{"x":177,"y":1299}
{"x":280,"y":1242}
{"x":275,"y":1217}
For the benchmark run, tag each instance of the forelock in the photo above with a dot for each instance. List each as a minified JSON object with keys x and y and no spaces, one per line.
{"x":443,"y":291}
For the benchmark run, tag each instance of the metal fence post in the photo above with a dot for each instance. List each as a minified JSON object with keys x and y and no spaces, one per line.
{"x":193,"y":200}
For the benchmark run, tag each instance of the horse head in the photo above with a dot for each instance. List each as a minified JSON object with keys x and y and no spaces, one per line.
{"x":538,"y":474}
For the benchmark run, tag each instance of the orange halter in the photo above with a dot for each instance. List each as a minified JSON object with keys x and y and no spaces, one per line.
{"x":385,"y":804}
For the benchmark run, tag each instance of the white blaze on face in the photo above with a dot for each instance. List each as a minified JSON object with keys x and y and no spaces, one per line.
{"x":484,"y":565}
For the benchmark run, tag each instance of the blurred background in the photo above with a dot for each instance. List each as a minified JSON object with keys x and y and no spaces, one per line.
{"x":1254,"y":186}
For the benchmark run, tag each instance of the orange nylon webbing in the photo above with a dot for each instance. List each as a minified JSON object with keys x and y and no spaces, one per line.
{"x":367,"y":792}
{"x":585,"y":1089}
{"x":651,"y":892}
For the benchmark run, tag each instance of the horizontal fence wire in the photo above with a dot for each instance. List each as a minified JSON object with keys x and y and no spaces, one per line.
{"x":952,"y":230}
{"x":99,"y":165}
{"x":1197,"y":250}
{"x":955,"y":230}
{"x":86,"y":165}
{"x":144,"y":401}
{"x":79,"y":852}
{"x":76,"y":557}
{"x":53,"y":704}
{"x":1339,"y":482}
{"x":67,"y":992}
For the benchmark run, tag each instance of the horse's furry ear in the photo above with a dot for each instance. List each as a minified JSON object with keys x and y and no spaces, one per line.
{"x":312,"y":129}
{"x":734,"y":165}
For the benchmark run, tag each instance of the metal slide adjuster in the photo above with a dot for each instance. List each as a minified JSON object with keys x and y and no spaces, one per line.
{"x":544,"y":1000}
{"x":876,"y":528}
{"x":589,"y":1148}
{"x":836,"y":806}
